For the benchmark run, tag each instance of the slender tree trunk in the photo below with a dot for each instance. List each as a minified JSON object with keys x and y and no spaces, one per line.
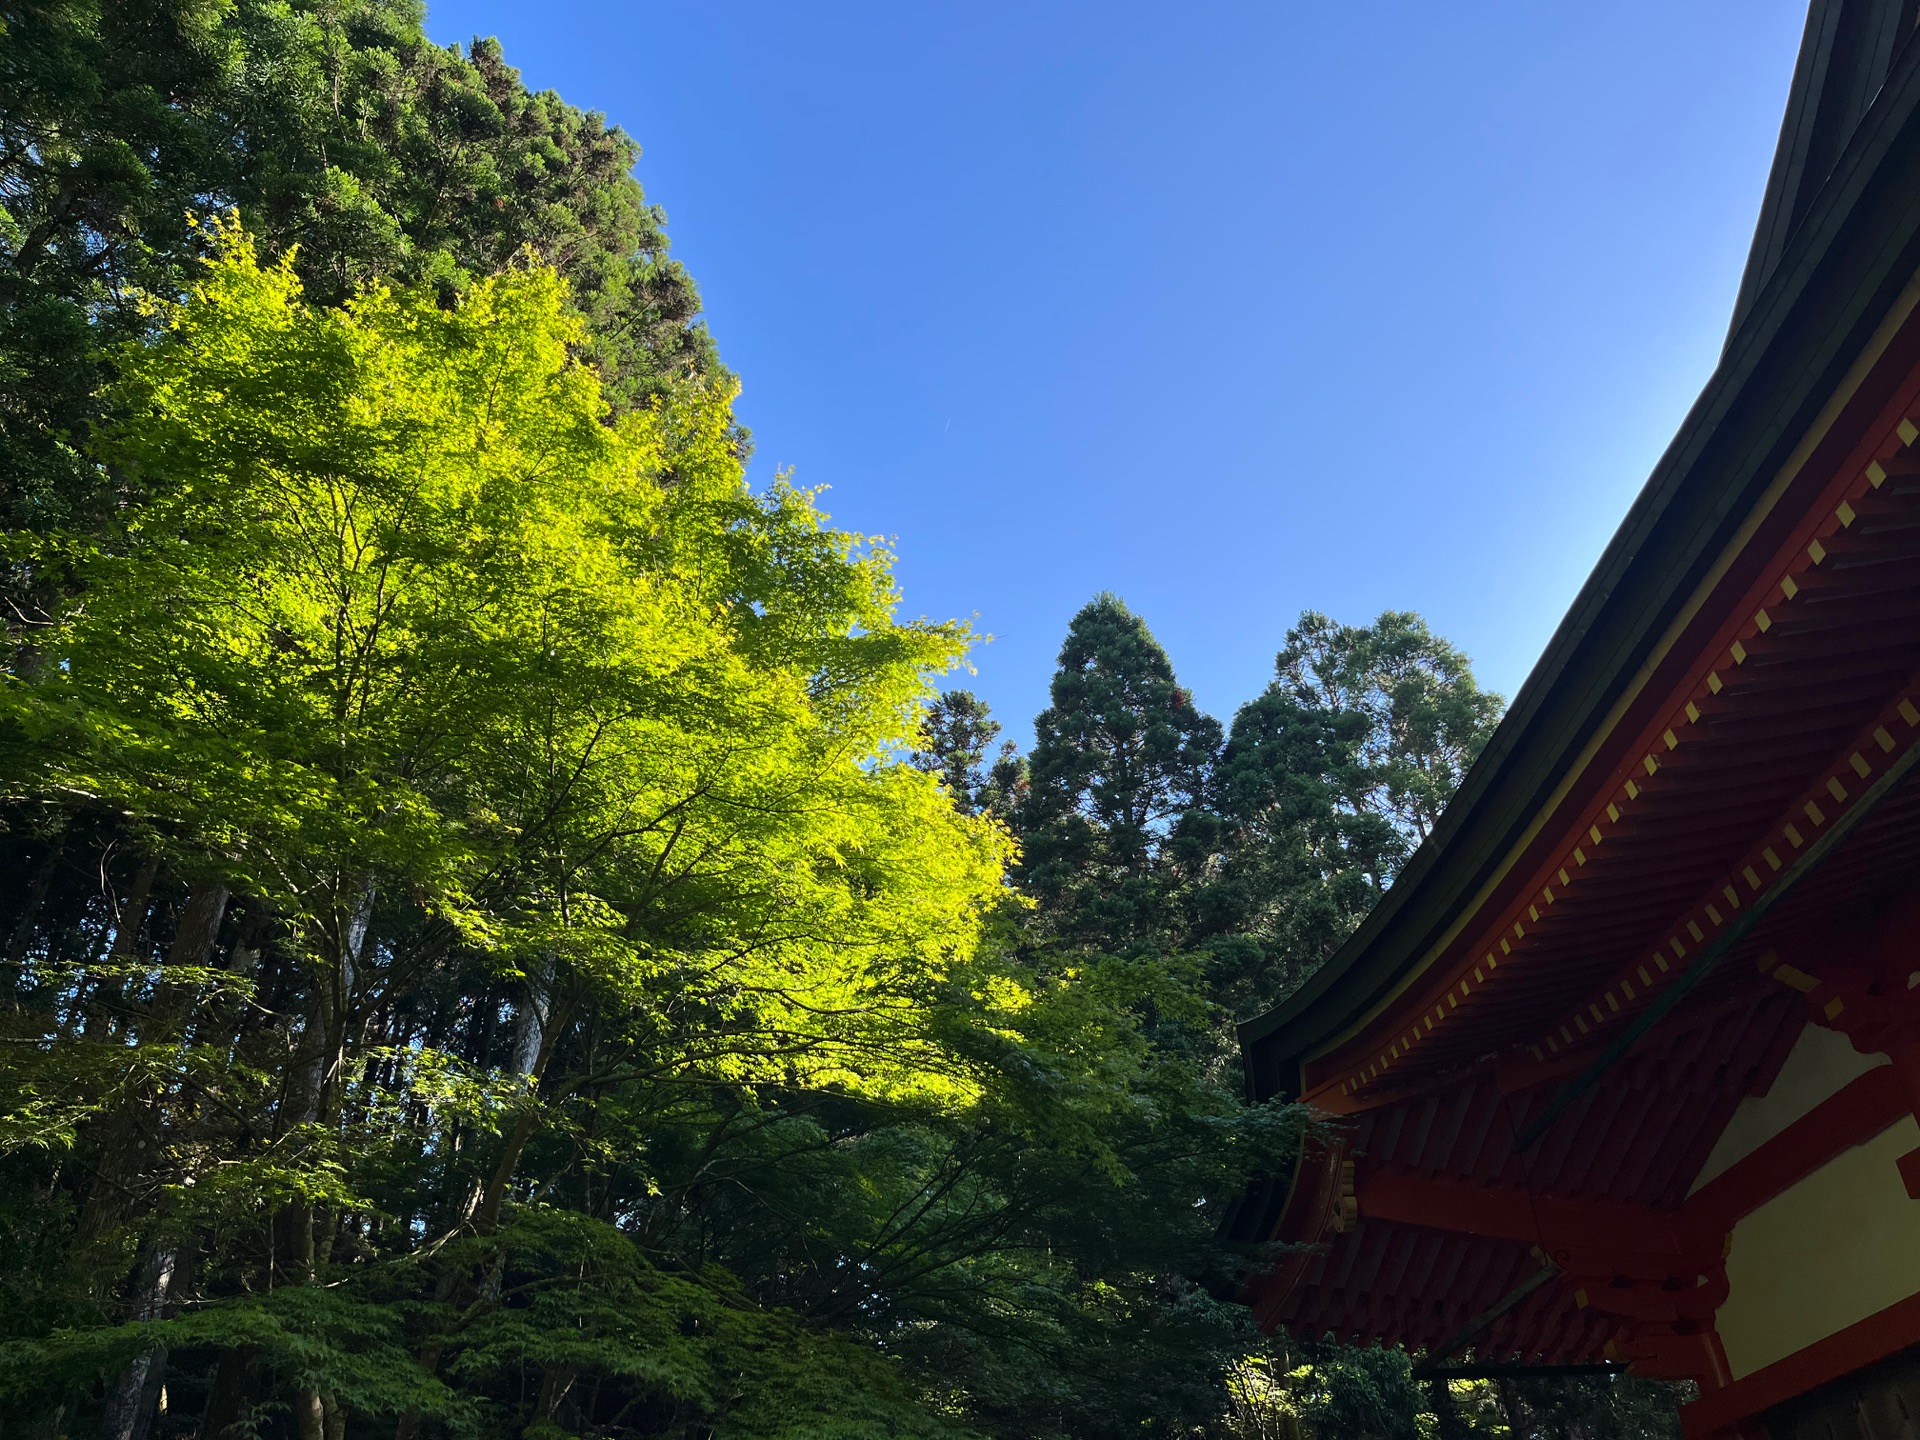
{"x":130,"y":1403}
{"x":486,"y":1211}
{"x":1450,"y":1426}
{"x":1518,"y":1420}
{"x":486,"y":1215}
{"x":554,"y":1387}
{"x":133,"y":915}
{"x":130,"y":1133}
{"x":134,"y":1127}
{"x":192,"y":943}
{"x":36,"y":898}
{"x":106,"y":1006}
{"x":319,"y":1096}
{"x":310,"y":1413}
{"x":231,"y":1396}
{"x":530,"y":1026}
{"x":544,"y":1025}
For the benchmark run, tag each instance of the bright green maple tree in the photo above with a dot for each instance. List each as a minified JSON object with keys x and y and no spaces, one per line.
{"x":405,"y":613}
{"x":441,"y":669}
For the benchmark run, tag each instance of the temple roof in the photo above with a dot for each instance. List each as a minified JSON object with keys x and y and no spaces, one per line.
{"x":1820,"y":342}
{"x":1846,"y":54}
{"x":1689,"y":846}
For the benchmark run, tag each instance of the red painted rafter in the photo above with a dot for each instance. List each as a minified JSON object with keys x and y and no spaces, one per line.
{"x":1868,"y":754}
{"x":1581,"y":1236}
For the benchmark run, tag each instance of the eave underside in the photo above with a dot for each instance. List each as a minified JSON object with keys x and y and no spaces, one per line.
{"x":1783,"y":729}
{"x":1630,"y":1147}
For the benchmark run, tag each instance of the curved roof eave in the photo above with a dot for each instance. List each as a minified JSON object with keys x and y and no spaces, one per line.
{"x":1848,"y":261}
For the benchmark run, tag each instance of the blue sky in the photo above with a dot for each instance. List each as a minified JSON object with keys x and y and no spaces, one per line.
{"x":1232,"y":309}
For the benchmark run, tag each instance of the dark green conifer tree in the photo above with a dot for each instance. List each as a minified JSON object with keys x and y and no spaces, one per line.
{"x":1119,"y":757}
{"x":1292,"y":863}
{"x":337,"y":129}
{"x":1328,"y":781}
{"x":954,"y":739}
{"x":1426,"y":717}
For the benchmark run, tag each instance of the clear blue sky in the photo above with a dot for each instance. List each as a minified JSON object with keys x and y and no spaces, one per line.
{"x":1233,"y":309}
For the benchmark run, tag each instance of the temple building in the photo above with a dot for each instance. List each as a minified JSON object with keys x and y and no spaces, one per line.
{"x":1625,"y":1067}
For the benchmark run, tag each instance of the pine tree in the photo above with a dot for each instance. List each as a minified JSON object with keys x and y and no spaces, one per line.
{"x":954,"y":739}
{"x":1119,"y":757}
{"x":1426,"y":717}
{"x":1328,"y":781}
{"x":343,"y":136}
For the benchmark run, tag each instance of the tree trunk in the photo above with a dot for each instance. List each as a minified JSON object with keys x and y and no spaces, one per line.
{"x":131,"y":1401}
{"x":1450,"y":1426}
{"x":199,"y":927}
{"x":310,"y":1413}
{"x":106,"y":1004}
{"x":133,"y":1128}
{"x":36,"y":897}
{"x":540,"y":1026}
{"x":133,"y":915}
{"x":554,"y":1386}
{"x":486,"y":1210}
{"x":231,"y":1397}
{"x":1519,"y":1421}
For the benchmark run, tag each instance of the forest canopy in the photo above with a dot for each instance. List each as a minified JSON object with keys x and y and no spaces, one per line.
{"x":506,"y":933}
